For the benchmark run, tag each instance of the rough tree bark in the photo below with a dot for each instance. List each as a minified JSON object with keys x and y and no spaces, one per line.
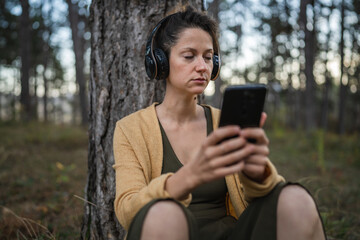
{"x":79,"y":60}
{"x":118,"y":87}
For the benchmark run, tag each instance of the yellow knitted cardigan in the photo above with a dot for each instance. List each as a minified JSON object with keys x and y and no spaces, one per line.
{"x":138,"y":153}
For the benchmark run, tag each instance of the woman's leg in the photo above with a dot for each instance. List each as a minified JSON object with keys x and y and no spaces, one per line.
{"x":165,"y":220}
{"x":297,"y":215}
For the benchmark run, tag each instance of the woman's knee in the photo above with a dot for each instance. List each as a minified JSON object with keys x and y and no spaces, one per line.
{"x":165,"y":220}
{"x":166,"y":209}
{"x":297,"y":210}
{"x":294,"y":198}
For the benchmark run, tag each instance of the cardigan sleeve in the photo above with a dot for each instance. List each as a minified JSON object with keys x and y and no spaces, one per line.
{"x":254,"y":189}
{"x":134,"y":184}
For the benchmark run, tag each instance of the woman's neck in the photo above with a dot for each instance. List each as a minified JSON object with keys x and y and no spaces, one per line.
{"x":177,"y":109}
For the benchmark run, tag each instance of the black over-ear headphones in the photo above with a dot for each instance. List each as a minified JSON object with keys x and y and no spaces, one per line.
{"x":157,"y":63}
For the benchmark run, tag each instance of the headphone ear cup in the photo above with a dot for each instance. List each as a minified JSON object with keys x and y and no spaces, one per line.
{"x":162,"y":64}
{"x":150,"y":66}
{"x":216,"y":67}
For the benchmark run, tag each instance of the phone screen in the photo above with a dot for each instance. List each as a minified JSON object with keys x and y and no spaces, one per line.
{"x":242,"y":105}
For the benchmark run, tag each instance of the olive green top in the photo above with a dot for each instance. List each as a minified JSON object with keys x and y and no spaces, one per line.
{"x":138,"y":155}
{"x":208,"y":200}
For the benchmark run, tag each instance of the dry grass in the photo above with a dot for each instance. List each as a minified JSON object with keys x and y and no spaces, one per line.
{"x":329,"y":166}
{"x":42,"y":168}
{"x":43,"y":174}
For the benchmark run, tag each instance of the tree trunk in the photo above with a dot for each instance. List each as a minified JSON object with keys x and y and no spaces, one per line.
{"x":357,"y":113}
{"x":12,"y":96}
{"x":45,"y":96}
{"x":75,"y":109}
{"x":25,"y":45}
{"x":35,"y":102}
{"x":45,"y":59}
{"x":79,"y":60}
{"x":1,"y":107}
{"x":1,"y":94}
{"x":118,"y":87}
{"x":309,"y":65}
{"x":343,"y":87}
{"x":327,"y":84}
{"x":290,"y":102}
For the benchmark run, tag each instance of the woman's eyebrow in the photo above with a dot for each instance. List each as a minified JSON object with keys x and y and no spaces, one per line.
{"x":195,"y":50}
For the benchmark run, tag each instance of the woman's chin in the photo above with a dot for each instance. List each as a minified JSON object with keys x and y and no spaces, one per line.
{"x":198,"y":91}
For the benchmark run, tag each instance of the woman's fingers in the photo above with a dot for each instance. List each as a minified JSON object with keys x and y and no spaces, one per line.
{"x":232,"y":157}
{"x":220,"y":157}
{"x":221,"y":133}
{"x":255,"y":133}
{"x":230,"y":131}
{"x":254,"y":167}
{"x":263,"y":119}
{"x":230,"y":169}
{"x":234,"y":150}
{"x":261,"y":150}
{"x":256,"y":159}
{"x":228,"y":146}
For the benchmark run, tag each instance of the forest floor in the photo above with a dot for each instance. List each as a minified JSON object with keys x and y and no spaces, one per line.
{"x":44,"y":168}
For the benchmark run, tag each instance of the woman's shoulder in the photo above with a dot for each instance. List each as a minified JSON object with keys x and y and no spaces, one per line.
{"x":140,"y":125}
{"x":214,"y":110}
{"x":215,"y":113}
{"x":142,"y":116}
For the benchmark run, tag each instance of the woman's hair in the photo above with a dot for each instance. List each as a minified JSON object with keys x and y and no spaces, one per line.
{"x":169,"y":32}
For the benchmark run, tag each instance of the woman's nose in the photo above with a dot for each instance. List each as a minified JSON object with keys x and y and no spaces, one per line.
{"x":201,"y":64}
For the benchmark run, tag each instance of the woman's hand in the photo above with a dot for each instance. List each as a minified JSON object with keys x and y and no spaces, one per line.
{"x":212,"y":161}
{"x":255,"y":163}
{"x":217,"y":158}
{"x":234,"y":155}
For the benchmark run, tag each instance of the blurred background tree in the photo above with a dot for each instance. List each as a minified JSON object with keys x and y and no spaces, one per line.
{"x":79,"y":25}
{"x":36,"y":61}
{"x":306,"y":51}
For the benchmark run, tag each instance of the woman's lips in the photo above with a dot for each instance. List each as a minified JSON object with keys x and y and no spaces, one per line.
{"x":200,"y":80}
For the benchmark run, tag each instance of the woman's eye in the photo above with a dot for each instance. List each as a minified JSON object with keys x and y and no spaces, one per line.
{"x":188,"y":57}
{"x":208,"y":58}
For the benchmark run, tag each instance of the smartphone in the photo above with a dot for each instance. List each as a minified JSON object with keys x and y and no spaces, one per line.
{"x":242,"y":105}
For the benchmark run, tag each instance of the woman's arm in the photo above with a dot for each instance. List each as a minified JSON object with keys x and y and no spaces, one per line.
{"x":212,"y":161}
{"x":134,"y":186}
{"x":216,"y":160}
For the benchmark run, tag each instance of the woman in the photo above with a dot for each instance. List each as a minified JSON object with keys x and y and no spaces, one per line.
{"x":176,"y":178}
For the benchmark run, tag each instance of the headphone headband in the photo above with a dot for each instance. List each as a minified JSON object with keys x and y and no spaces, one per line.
{"x":156,"y":60}
{"x":151,"y":64}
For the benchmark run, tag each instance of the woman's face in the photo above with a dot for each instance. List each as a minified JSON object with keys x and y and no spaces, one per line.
{"x":191,"y":62}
